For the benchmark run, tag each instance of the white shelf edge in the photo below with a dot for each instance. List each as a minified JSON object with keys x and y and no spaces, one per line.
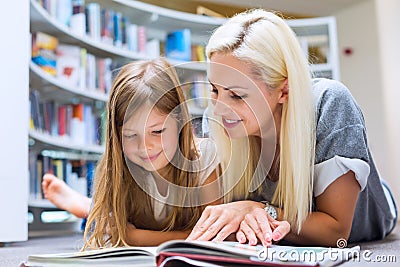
{"x":105,"y":48}
{"x":321,"y":67}
{"x":170,"y":13}
{"x":56,"y":82}
{"x":64,"y":142}
{"x":41,"y":203}
{"x":308,"y":22}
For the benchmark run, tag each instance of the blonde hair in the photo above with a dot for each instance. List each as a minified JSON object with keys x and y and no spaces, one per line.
{"x":117,"y":198}
{"x":268,"y":45}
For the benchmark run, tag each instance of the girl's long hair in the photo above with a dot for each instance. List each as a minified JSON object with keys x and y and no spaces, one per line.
{"x":118,"y":199}
{"x":265,"y":42}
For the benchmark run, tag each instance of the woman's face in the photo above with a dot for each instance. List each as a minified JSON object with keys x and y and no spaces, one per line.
{"x":246,"y":106}
{"x":149,"y":138}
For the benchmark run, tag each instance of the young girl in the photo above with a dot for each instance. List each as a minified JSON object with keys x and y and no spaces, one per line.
{"x":154,"y":178}
{"x":308,"y":153}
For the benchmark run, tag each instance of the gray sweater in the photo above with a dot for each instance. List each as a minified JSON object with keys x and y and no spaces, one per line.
{"x":341,"y":132}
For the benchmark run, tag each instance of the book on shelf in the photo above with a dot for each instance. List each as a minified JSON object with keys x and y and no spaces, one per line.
{"x":44,"y":48}
{"x":178,"y":45}
{"x":69,"y":64}
{"x":200,"y":253}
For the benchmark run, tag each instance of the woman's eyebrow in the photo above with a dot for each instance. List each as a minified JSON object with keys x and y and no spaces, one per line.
{"x":229,"y":87}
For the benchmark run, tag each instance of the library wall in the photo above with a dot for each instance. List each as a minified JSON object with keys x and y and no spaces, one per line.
{"x":14,"y":110}
{"x":367,"y":71}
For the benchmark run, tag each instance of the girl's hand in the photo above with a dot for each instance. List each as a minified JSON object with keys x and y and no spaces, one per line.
{"x":259,"y":225}
{"x":218,"y":222}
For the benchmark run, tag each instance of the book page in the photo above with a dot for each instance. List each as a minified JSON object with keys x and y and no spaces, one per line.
{"x":98,"y":257}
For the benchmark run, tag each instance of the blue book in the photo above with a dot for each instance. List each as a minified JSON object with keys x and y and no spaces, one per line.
{"x":178,"y":45}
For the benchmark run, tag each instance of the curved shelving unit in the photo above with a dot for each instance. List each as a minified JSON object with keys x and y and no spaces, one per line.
{"x":42,"y":21}
{"x":64,"y":142}
{"x":40,"y":78}
{"x":165,"y":20}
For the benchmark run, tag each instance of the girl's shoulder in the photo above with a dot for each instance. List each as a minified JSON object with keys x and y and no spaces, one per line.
{"x":208,"y":160}
{"x":204,"y":145}
{"x":207,"y":152}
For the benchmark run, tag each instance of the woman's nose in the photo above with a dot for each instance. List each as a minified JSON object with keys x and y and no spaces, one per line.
{"x":220,"y":107}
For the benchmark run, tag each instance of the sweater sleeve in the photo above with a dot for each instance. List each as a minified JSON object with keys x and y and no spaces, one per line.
{"x":341,"y":136}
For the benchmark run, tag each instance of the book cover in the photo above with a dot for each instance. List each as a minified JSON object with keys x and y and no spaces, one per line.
{"x":178,"y":45}
{"x":69,"y":64}
{"x":44,"y":51}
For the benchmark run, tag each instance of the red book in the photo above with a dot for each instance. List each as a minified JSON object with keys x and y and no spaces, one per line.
{"x":62,"y":115}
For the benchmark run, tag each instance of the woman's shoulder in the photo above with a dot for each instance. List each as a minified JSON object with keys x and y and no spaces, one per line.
{"x":333,"y":98}
{"x":330,"y":90}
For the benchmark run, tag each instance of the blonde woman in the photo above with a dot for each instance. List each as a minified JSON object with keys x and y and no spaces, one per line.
{"x":295,"y":155}
{"x":150,"y":183}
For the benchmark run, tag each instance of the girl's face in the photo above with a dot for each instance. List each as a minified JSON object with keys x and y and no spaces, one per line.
{"x":246,"y":106}
{"x":150,"y":138}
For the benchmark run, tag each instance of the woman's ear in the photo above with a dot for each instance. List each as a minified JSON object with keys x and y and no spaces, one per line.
{"x":284,"y":92}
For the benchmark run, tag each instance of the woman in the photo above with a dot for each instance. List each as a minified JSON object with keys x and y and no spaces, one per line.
{"x":297,"y":143}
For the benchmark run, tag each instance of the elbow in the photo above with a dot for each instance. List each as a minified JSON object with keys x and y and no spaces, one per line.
{"x":340,"y":236}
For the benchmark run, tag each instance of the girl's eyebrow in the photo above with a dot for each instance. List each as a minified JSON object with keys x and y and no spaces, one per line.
{"x":156,"y":124}
{"x":229,"y":87}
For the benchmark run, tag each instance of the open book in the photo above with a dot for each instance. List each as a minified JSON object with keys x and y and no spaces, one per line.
{"x":200,"y":253}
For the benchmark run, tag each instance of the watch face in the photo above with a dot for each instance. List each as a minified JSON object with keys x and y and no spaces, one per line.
{"x":271,"y":211}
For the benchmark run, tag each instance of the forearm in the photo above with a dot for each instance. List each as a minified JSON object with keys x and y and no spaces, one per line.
{"x":140,"y":237}
{"x":319,"y":229}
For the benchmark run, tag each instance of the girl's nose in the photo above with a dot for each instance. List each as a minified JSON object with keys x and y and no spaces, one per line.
{"x":146,"y":143}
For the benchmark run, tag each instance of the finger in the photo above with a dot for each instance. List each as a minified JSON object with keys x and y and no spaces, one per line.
{"x":248,"y":233}
{"x":213,"y":225}
{"x":241,"y":237}
{"x":199,"y":228}
{"x":224,"y":232}
{"x":251,"y":221}
{"x":282,"y":228}
{"x":263,"y":221}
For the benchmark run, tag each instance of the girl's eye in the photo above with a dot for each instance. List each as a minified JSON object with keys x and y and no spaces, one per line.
{"x":130,"y":136}
{"x":214,"y":90}
{"x":159,"y":131}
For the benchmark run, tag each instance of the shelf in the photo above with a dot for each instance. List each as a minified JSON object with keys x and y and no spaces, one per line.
{"x":161,"y":20}
{"x":41,"y":79}
{"x":64,"y":142}
{"x":313,"y":26}
{"x":41,"y":203}
{"x":42,"y":21}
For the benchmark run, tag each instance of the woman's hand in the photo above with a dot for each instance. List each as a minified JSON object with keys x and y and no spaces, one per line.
{"x":218,"y":222}
{"x":259,"y":225}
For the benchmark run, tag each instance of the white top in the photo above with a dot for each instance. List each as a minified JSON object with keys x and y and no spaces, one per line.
{"x":206,"y":164}
{"x":328,"y":171}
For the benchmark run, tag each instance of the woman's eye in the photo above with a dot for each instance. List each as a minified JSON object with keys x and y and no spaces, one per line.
{"x":159,"y":131}
{"x":235,"y":96}
{"x":214,"y":90}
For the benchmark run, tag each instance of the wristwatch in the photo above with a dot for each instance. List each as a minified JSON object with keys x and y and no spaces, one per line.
{"x":270,"y":209}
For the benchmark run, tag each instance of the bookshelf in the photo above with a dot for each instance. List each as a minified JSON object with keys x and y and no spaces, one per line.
{"x":52,"y":90}
{"x":317,"y":36}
